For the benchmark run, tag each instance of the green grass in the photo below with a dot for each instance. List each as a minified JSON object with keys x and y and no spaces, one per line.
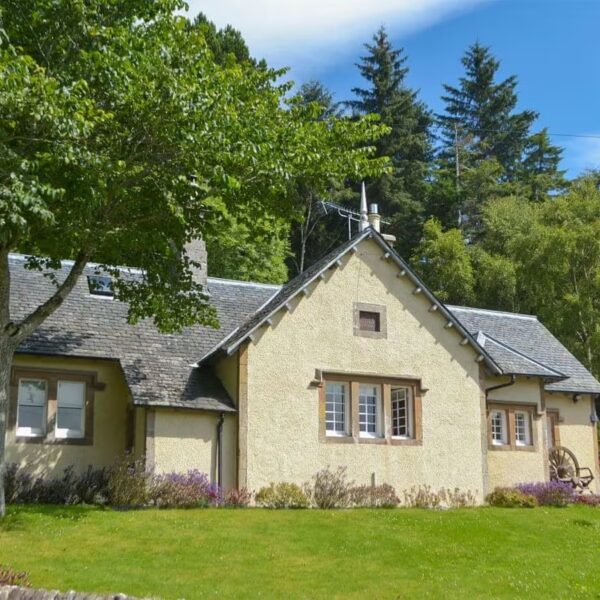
{"x":405,"y":553}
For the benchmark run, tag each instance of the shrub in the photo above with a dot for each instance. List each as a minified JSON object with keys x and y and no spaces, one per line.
{"x":373,"y":496}
{"x":510,"y":498}
{"x":591,"y":500}
{"x":282,"y":495}
{"x":9,"y":576}
{"x":72,"y":488}
{"x":128,"y":482}
{"x":182,"y":490}
{"x":329,"y":489}
{"x":237,"y":498}
{"x":424,"y":496}
{"x":456,"y":498}
{"x":549,"y":493}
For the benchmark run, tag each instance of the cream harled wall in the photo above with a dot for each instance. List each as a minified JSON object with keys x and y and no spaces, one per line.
{"x":576,"y":430}
{"x":184,"y":439}
{"x":110,"y":421}
{"x":283,"y":407}
{"x":509,"y":467}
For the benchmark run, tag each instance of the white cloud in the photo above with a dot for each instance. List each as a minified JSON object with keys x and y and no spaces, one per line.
{"x":308,"y":32}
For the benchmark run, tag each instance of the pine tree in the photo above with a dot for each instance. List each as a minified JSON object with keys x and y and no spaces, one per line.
{"x":540,"y":171}
{"x":401,"y":193}
{"x":480,"y":114}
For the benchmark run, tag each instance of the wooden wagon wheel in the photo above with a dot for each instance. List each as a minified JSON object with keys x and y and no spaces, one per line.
{"x":563,"y":464}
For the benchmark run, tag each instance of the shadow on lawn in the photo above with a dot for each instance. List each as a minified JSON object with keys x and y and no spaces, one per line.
{"x":17,"y":515}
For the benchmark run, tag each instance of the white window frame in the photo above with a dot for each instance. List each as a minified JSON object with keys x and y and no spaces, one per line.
{"x":32,"y":432}
{"x":526,"y":441}
{"x":378,"y":411}
{"x":503,"y":441}
{"x":410,"y":419}
{"x":64,"y":432}
{"x":346,"y":405}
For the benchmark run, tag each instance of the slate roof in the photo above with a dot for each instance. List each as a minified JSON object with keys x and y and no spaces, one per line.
{"x":157,"y":367}
{"x":527,"y":336}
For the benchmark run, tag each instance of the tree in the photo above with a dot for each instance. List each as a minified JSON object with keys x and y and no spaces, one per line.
{"x":480,"y":114}
{"x":401,"y":192}
{"x":442,"y":260}
{"x":120,"y":137}
{"x":540,"y":170}
{"x":555,"y":247}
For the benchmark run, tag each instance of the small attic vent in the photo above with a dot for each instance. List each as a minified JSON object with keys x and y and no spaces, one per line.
{"x":100,"y":286}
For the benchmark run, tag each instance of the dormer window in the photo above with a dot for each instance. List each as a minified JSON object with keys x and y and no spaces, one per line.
{"x":100,"y":285}
{"x":370,"y":320}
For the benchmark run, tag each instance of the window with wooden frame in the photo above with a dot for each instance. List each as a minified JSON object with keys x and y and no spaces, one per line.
{"x":552,"y":428}
{"x":370,"y":320}
{"x":366,"y":409}
{"x":337,"y":401}
{"x":52,"y":406}
{"x":511,"y":427}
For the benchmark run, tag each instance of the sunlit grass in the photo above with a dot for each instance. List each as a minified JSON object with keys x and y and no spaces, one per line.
{"x":470,"y":553}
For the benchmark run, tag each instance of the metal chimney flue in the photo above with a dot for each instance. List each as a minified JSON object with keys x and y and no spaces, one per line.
{"x":374,"y":217}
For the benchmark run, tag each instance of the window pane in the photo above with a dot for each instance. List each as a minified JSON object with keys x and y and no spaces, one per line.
{"x":71,"y":409}
{"x":499,"y":436}
{"x":32,"y":392}
{"x":335,"y":408}
{"x":369,"y":410}
{"x":31,"y":407}
{"x":401,"y":413}
{"x":31,"y":417}
{"x":71,"y":393}
{"x":522,"y":428}
{"x":369,"y":321}
{"x":69,"y":418}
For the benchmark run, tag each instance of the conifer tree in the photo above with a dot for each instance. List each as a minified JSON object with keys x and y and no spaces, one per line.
{"x":480,"y":114}
{"x":400,"y":193}
{"x":540,"y":171}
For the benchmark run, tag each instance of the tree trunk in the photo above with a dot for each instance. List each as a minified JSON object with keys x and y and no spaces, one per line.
{"x":6,"y":357}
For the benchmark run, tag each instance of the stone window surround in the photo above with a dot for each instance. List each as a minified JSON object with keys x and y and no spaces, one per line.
{"x":510,"y":410}
{"x":386,"y":384}
{"x":380,"y":309}
{"x":52,"y":376}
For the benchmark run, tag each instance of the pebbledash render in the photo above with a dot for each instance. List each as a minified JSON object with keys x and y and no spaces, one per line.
{"x":354,"y":363}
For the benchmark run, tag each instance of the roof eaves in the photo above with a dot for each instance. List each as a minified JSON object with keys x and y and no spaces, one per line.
{"x":491,"y":363}
{"x":336,"y":257}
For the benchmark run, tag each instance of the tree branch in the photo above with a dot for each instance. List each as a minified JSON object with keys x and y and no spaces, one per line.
{"x":20,"y":331}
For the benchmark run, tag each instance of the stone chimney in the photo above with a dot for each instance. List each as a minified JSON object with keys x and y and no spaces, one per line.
{"x":196,"y":251}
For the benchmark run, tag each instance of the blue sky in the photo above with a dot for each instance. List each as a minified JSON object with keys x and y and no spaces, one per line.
{"x":553,"y":46}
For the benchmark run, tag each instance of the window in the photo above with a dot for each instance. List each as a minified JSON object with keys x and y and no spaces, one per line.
{"x":522,"y":428}
{"x":402,"y":413}
{"x":511,"y":427}
{"x":100,"y":285}
{"x":369,"y":321}
{"x":499,"y":428}
{"x":336,"y":411}
{"x":369,"y":410}
{"x":52,"y":406}
{"x":364,"y":409}
{"x":70,"y":409}
{"x":552,"y":430}
{"x":31,"y":407}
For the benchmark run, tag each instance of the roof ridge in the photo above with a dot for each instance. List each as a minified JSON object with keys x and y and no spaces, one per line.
{"x":225,"y":281}
{"x":492,"y":311}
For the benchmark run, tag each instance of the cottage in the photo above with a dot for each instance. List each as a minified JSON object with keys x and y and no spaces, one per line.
{"x":355,"y":363}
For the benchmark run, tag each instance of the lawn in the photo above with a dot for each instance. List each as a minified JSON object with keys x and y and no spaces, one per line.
{"x":403,"y":553}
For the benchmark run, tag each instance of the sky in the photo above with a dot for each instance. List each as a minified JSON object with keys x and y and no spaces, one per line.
{"x":552,"y":46}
